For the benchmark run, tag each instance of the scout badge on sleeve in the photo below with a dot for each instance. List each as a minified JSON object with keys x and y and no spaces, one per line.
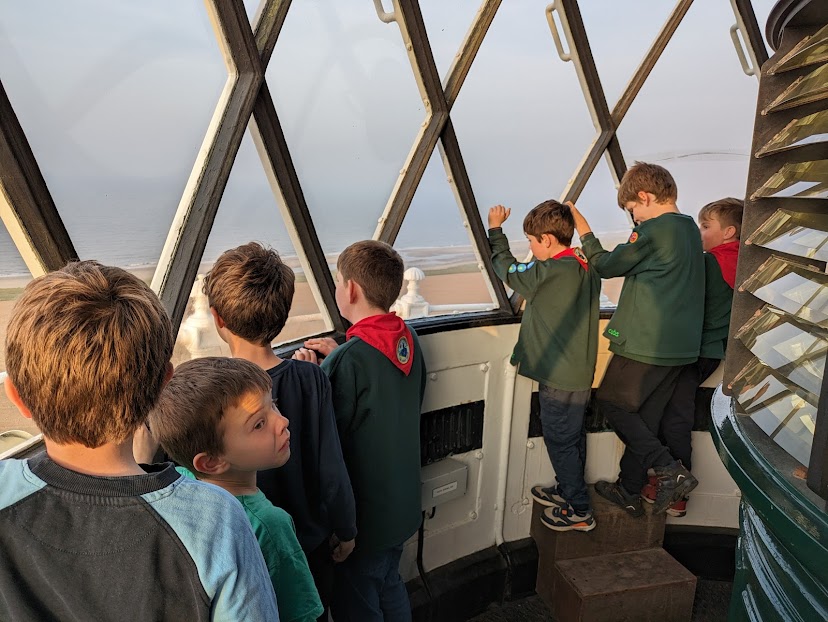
{"x":633,"y":237}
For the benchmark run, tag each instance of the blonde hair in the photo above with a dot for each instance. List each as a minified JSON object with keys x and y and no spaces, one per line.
{"x":727,"y":211}
{"x":87,"y":348}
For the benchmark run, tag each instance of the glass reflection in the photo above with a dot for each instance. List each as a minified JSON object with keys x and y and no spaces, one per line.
{"x":809,"y":51}
{"x":799,"y":290}
{"x":785,"y":412}
{"x":810,"y":88}
{"x":796,"y":352}
{"x":804,"y":235}
{"x":808,"y":130}
{"x":808,"y":180}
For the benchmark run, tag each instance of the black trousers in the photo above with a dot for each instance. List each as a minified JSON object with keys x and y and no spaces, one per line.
{"x":321,"y":565}
{"x":633,"y":397}
{"x":680,"y":413}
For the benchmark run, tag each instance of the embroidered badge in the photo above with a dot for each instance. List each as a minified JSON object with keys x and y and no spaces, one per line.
{"x":530,"y":264}
{"x":521,"y":267}
{"x":512,"y":268}
{"x":403,"y":351}
{"x":633,"y":237}
{"x":579,"y":254}
{"x":613,"y":332}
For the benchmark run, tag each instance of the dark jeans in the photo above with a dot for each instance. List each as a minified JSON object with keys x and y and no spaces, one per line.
{"x":680,"y":413}
{"x":562,"y":420}
{"x":321,"y":565}
{"x":368,"y":588}
{"x":633,"y":397}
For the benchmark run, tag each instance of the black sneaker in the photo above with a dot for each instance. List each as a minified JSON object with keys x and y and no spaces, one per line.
{"x":549,"y":496}
{"x":674,"y":483}
{"x":566,"y":519}
{"x":613,"y":491}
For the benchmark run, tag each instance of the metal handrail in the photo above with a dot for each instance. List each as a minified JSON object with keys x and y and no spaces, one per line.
{"x":384,"y":16}
{"x":553,"y":27}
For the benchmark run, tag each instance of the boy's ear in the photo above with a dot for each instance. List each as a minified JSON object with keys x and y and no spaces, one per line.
{"x":168,"y":373}
{"x":643,"y":197}
{"x":547,"y":239}
{"x":730,"y":232}
{"x":14,"y":398}
{"x":354,"y":291}
{"x":209,"y":465}
{"x":217,"y":318}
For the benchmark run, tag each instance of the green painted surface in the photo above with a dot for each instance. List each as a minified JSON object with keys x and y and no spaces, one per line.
{"x":782,"y":555}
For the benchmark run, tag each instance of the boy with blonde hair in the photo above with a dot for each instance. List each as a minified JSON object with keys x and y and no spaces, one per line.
{"x":250,"y":290}
{"x":557,"y":347}
{"x":217,"y":419}
{"x":378,"y":379}
{"x":85,"y":532}
{"x":653,"y":334}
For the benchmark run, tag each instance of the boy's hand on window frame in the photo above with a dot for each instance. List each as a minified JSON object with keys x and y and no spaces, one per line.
{"x":581,"y":225}
{"x":322,"y":345}
{"x":498,"y":215}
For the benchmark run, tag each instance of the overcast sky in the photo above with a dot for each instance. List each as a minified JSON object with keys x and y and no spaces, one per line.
{"x":115,"y":98}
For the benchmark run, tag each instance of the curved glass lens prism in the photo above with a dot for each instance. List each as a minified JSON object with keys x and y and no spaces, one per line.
{"x":804,"y":90}
{"x":785,"y":412}
{"x":809,"y":51}
{"x":795,"y":351}
{"x":809,"y":130}
{"x":795,"y":233}
{"x":807,"y":180}
{"x":796,"y":289}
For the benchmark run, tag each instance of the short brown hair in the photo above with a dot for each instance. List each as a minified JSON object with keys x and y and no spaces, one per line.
{"x":377,"y":268}
{"x":553,"y":218}
{"x":252,"y":290}
{"x":651,"y":178}
{"x":187,"y":419}
{"x":87,"y":348}
{"x":727,"y":211}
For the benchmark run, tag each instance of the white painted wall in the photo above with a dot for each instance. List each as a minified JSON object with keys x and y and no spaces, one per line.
{"x":472,"y":364}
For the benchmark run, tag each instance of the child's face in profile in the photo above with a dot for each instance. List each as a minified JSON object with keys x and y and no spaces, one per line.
{"x":541,"y":248}
{"x":712,"y":234}
{"x":256,"y":434}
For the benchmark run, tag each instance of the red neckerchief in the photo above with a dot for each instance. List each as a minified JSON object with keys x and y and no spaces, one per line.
{"x":727,"y":254}
{"x":388,"y":334}
{"x":576,"y":253}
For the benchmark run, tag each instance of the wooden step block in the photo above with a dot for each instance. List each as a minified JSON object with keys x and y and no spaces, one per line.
{"x":636,"y":586}
{"x":615,"y":532}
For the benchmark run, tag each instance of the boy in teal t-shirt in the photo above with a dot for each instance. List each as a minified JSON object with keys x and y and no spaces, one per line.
{"x":557,"y":347}
{"x":217,"y":418}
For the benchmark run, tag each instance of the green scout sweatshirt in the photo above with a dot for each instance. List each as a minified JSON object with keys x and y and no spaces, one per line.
{"x":558,"y":340}
{"x":661,"y":308}
{"x":718,"y":298}
{"x":378,"y":416}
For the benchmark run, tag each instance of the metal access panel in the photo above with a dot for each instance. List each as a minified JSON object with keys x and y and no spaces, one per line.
{"x":443,"y":481}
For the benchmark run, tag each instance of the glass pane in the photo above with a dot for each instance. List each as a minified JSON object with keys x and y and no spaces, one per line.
{"x":115,"y":99}
{"x":796,"y":352}
{"x":350,"y":108}
{"x":805,"y":235}
{"x":799,"y":132}
{"x":782,"y":410}
{"x":808,"y":180}
{"x":520,"y":118}
{"x":705,"y":142}
{"x":809,"y":51}
{"x":248,"y":212}
{"x":14,"y":428}
{"x":435,"y":239}
{"x":804,"y":90}
{"x":800,"y":290}
{"x":447,"y":24}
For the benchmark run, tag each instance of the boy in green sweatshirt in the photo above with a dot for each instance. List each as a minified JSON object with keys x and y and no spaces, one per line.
{"x":655,"y":331}
{"x":378,"y":379}
{"x":557,"y":347}
{"x":720,"y":224}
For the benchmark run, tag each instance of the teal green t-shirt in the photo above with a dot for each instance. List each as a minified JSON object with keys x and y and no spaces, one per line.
{"x":296,"y":594}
